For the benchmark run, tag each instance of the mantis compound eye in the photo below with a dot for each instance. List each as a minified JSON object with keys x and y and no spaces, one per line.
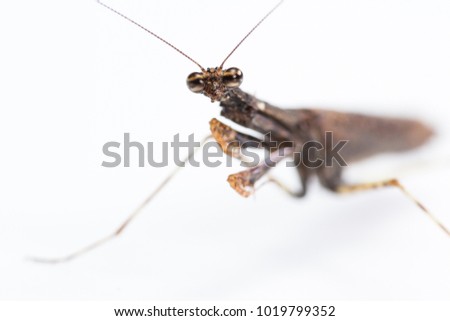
{"x":195,"y":82}
{"x":232,"y":77}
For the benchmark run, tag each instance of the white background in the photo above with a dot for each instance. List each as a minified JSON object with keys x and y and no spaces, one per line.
{"x":74,"y":76}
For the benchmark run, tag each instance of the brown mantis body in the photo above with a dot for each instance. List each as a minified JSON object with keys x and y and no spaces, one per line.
{"x":364,"y":135}
{"x":289,"y":129}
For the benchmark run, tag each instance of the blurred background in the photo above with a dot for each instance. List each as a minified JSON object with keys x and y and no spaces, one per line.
{"x":75,"y":76}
